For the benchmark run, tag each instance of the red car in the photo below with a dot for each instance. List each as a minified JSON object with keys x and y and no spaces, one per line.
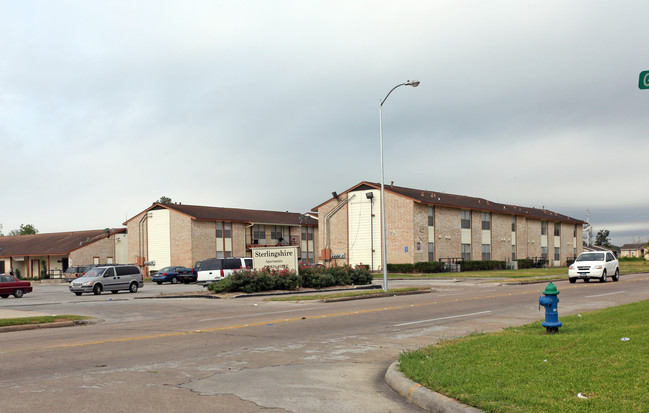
{"x":10,"y":285}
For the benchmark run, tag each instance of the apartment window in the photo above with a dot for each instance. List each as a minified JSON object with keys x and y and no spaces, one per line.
{"x":557,"y":254}
{"x":431,"y":251}
{"x":513,"y":224}
{"x":544,"y":228}
{"x":431,"y":217}
{"x":276,"y":232}
{"x":307,"y":233}
{"x":466,"y":219}
{"x":308,"y":257}
{"x":574,"y":231}
{"x":259,"y":232}
{"x":227,"y":229}
{"x":544,"y":253}
{"x":513,"y":252}
{"x":486,"y":252}
{"x":219,"y":230}
{"x":486,"y":220}
{"x":557,"y":229}
{"x":466,"y":252}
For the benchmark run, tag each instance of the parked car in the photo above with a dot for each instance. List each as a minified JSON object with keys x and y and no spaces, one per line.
{"x":11,"y":285}
{"x":73,"y":272}
{"x":111,"y":278}
{"x":170,"y":274}
{"x":189,"y":277}
{"x":594,"y":265}
{"x":215,"y":269}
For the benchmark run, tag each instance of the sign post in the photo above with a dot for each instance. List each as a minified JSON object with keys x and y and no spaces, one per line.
{"x":643,"y":83}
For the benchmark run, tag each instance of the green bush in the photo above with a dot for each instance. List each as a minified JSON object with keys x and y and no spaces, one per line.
{"x":251,"y":281}
{"x":221,"y":286}
{"x":401,"y":268}
{"x":482,"y":265}
{"x":429,"y":267}
{"x":361,"y":275}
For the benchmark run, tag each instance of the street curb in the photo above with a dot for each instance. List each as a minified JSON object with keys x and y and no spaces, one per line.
{"x":419,"y":395}
{"x":56,"y":324}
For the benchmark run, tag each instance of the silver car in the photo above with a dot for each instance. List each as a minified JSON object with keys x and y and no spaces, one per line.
{"x":594,"y":265}
{"x":111,"y":278}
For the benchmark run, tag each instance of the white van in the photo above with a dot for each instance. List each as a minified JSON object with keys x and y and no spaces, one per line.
{"x":215,"y":269}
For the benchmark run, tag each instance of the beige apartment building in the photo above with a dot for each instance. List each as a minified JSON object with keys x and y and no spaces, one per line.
{"x":176,"y":234}
{"x":433,"y":226}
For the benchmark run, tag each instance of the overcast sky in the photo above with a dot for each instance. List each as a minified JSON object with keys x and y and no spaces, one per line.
{"x":105,"y":106}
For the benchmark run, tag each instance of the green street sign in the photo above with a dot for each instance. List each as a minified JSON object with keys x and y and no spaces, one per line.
{"x":643,"y":83}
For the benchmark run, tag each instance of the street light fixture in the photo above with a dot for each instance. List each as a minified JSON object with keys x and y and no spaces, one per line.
{"x":413,"y":83}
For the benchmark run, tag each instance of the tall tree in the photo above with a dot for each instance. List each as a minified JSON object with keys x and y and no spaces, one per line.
{"x":28,"y":229}
{"x":163,"y":200}
{"x":602,"y":239}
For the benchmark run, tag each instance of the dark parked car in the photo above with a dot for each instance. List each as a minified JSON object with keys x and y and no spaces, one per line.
{"x":188,"y":277}
{"x":170,"y":274}
{"x":11,"y":285}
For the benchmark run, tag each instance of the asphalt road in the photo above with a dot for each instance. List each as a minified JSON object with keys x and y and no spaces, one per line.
{"x":250,"y":355}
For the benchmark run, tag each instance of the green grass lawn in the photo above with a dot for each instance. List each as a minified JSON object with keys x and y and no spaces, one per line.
{"x":626,"y":266}
{"x":524,"y":369}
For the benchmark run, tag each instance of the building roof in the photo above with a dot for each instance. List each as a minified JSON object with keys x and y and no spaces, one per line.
{"x":633,"y":247}
{"x":59,"y":243}
{"x":251,"y":216}
{"x":433,"y":198}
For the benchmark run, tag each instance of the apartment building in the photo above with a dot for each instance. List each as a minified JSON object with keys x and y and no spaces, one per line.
{"x":176,"y":234}
{"x":432,"y":226}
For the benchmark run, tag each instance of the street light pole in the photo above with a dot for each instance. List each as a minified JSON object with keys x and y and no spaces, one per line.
{"x":413,"y":83}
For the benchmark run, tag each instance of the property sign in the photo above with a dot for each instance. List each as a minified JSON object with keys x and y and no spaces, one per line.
{"x":278,"y":258}
{"x":643,"y":83}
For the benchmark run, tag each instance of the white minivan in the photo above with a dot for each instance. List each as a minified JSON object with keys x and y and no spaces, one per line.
{"x":215,"y":269}
{"x":108,"y":277}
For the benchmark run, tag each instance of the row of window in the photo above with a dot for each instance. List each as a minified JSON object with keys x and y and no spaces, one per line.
{"x":465,"y":222}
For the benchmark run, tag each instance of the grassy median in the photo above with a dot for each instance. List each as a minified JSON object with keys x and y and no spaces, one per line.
{"x":597,"y":362}
{"x":40,"y":319}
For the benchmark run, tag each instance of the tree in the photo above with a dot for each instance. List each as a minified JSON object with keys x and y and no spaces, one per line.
{"x":602,"y":239}
{"x":164,"y":200}
{"x":28,"y":229}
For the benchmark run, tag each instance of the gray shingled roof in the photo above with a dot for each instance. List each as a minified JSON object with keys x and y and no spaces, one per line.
{"x":466,"y":202}
{"x":60,"y":243}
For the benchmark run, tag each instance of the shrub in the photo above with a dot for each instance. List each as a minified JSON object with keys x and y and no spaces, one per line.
{"x":482,"y":265}
{"x":361,"y":275}
{"x":428,"y":267}
{"x":402,"y":268}
{"x":221,"y":286}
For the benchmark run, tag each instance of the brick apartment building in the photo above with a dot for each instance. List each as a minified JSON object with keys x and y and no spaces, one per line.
{"x":176,"y":234}
{"x":432,"y":226}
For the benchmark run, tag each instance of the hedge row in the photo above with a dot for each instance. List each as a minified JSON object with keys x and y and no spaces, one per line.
{"x":530,"y":263}
{"x":424,"y":267}
{"x":428,"y":267}
{"x":251,"y":281}
{"x":482,"y":265}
